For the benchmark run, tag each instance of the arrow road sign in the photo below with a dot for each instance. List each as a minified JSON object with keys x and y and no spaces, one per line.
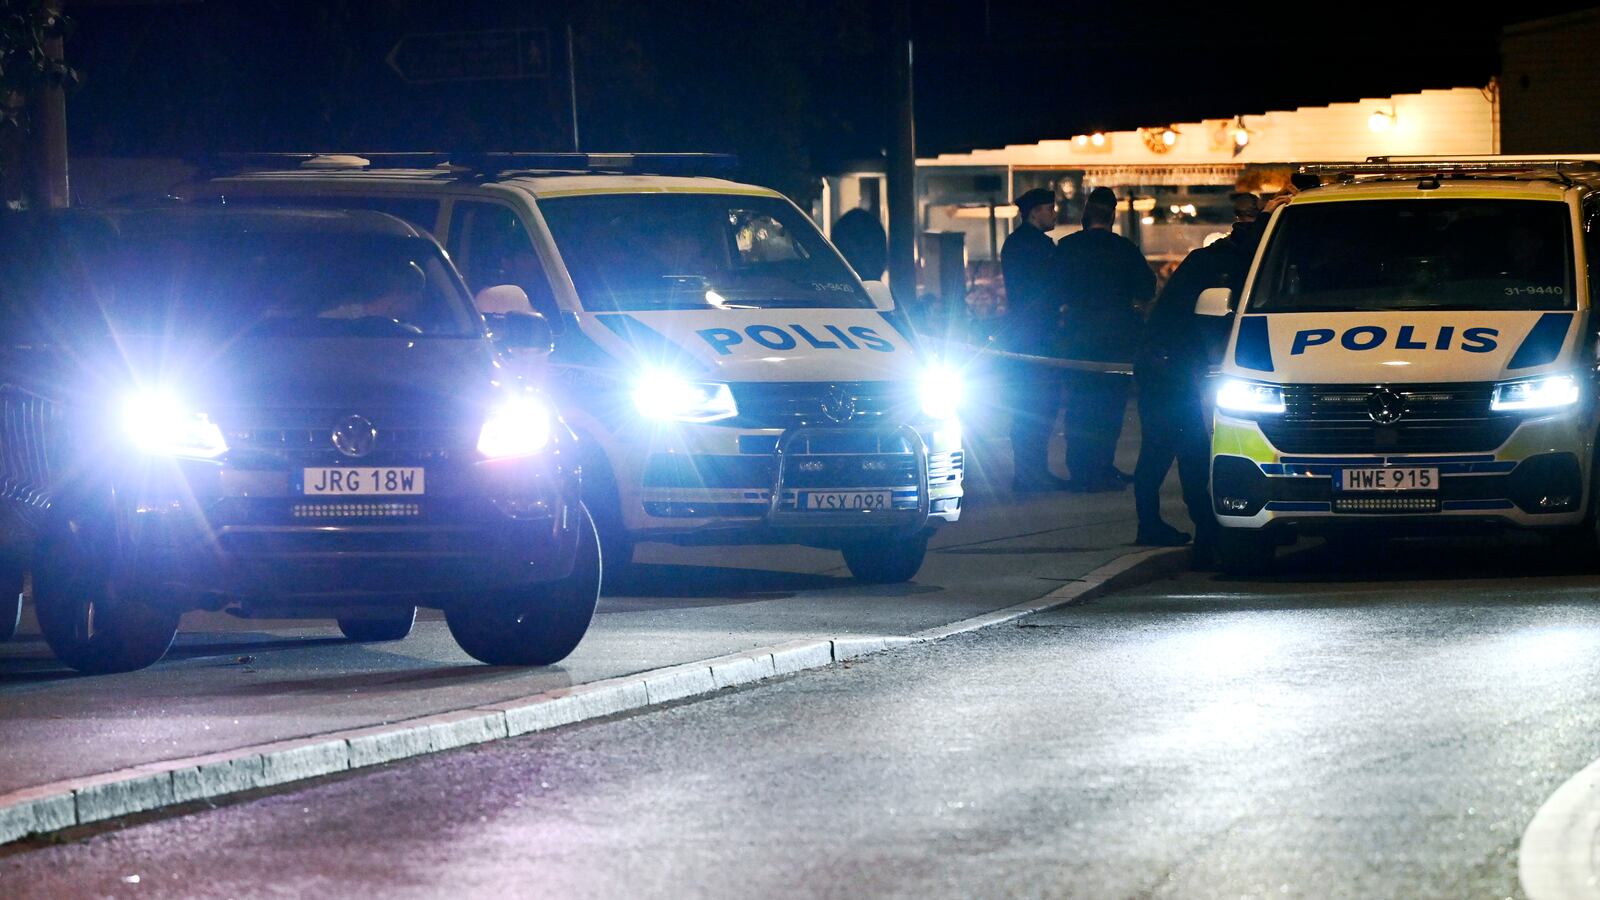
{"x":471,"y":55}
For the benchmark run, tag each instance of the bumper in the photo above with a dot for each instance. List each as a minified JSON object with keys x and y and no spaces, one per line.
{"x":248,"y":535}
{"x":1536,"y":478}
{"x":716,"y":485}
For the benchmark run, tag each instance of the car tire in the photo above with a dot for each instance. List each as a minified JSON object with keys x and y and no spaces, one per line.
{"x":392,"y":627}
{"x":603,"y":499}
{"x":1243,"y":551}
{"x":886,"y":560}
{"x":536,"y":625}
{"x":90,"y":623}
{"x":1578,"y":546}
{"x":11,"y":578}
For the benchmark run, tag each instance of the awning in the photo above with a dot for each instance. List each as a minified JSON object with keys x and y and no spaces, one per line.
{"x":1152,"y":175}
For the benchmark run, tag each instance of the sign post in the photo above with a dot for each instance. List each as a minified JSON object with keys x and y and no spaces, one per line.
{"x":447,"y":56}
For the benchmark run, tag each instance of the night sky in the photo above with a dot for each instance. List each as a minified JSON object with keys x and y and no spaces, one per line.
{"x":795,"y":88}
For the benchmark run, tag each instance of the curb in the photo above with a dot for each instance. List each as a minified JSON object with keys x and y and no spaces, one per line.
{"x":1557,"y":855}
{"x":95,"y":798}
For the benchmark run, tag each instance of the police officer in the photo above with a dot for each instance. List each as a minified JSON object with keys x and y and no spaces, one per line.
{"x":1171,"y":368}
{"x":1105,"y":278}
{"x":1031,"y":269}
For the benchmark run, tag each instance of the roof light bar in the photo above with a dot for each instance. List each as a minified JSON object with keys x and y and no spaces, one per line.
{"x":1395,"y":168}
{"x":490,"y":163}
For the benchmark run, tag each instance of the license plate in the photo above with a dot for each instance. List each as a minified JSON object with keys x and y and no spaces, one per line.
{"x":1391,"y":478}
{"x":362,"y":481}
{"x":844,"y":500}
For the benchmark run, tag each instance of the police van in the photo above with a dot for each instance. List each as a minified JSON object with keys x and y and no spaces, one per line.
{"x":733,"y":379}
{"x":1414,"y":346}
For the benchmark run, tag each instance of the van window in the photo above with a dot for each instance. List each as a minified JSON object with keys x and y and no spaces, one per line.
{"x":490,"y":247}
{"x":697,"y":251}
{"x":1442,"y":254}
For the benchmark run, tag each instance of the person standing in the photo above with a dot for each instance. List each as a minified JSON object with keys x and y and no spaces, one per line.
{"x":862,"y":241}
{"x":1170,"y":368}
{"x":1105,"y":280}
{"x":1031,"y":270}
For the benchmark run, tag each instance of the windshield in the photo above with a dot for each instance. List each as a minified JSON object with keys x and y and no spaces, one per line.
{"x":697,"y":251}
{"x":1417,"y":255}
{"x":154,"y":280}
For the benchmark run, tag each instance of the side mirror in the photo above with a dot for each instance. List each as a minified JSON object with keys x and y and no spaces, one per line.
{"x":501,"y":299}
{"x":1215,"y":302}
{"x":882,"y":300}
{"x":520,"y":330}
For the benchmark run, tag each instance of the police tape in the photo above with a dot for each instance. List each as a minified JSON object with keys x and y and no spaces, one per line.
{"x":1076,"y":365}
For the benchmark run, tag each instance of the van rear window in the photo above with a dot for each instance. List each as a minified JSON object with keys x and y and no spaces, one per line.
{"x":1433,"y":254}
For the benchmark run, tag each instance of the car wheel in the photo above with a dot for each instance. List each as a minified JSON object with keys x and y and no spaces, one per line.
{"x":394,"y":625}
{"x":604,"y":501}
{"x":886,"y":560}
{"x":1578,"y":545}
{"x":535,"y":625}
{"x":11,"y":577}
{"x":89,"y":622}
{"x":1242,"y":551}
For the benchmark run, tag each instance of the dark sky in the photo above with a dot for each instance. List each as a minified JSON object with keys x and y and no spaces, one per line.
{"x":793,"y":87}
{"x":1063,"y":69}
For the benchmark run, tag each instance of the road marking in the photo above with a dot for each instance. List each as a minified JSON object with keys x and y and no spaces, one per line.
{"x":92,"y":798}
{"x":1556,"y":859}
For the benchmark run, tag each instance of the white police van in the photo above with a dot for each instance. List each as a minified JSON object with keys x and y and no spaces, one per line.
{"x":733,"y":379}
{"x":1414,"y":346}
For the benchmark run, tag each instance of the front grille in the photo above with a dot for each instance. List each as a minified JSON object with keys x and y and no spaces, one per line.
{"x":27,"y":423}
{"x":944,"y":467}
{"x":310,"y":430}
{"x":850,"y":471}
{"x":1436,"y":418}
{"x":402,"y":440}
{"x":784,"y":404}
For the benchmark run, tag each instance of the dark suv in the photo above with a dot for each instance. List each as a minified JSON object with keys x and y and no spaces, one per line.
{"x":279,"y":413}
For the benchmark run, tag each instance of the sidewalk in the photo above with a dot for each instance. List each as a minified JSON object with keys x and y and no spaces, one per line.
{"x":230,"y":684}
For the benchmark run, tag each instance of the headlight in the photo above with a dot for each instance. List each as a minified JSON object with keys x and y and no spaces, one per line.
{"x":942,"y":391}
{"x":1236,"y":395}
{"x":158,"y":424}
{"x":1535,"y":393}
{"x":667,"y":397}
{"x":519,"y":427}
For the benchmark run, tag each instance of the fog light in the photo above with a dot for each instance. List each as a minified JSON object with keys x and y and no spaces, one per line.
{"x":1560,"y":501}
{"x":1235,"y":504}
{"x":523,"y":507}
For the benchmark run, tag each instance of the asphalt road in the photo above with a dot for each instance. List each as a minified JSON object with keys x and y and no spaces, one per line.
{"x":1320,"y":733}
{"x":230,"y":683}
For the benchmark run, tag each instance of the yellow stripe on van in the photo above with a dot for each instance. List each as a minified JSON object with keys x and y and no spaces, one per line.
{"x":659,"y":189}
{"x":1234,"y":438}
